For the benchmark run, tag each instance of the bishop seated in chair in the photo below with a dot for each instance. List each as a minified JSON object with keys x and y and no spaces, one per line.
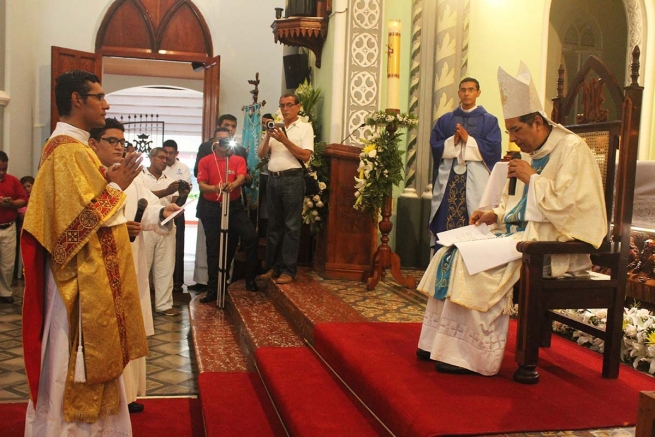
{"x":558,"y":197}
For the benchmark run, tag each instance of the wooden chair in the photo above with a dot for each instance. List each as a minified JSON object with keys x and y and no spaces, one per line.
{"x":538,"y":296}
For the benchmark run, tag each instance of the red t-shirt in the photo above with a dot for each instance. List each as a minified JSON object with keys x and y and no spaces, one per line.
{"x":10,"y":186}
{"x":211,"y":171}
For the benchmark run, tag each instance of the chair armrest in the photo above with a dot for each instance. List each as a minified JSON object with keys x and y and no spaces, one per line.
{"x":556,"y":247}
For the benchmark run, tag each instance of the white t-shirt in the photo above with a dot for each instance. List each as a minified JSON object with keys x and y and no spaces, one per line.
{"x":302,"y":135}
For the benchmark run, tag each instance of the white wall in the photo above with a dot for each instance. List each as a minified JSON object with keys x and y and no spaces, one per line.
{"x":240,"y":32}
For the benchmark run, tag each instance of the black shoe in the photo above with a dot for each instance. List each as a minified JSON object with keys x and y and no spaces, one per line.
{"x":423,"y":355}
{"x":449,"y":368}
{"x":251,"y":285}
{"x":209,"y":297}
{"x":197,"y":287}
{"x":6,"y":299}
{"x":135,"y":407}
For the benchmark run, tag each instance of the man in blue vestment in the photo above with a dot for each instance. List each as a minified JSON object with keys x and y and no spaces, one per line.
{"x":465,"y":147}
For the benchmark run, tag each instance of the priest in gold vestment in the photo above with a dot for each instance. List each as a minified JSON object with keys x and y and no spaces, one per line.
{"x":82,"y":319}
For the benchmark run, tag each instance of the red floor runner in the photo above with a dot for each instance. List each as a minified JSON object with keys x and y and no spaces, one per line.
{"x":236,"y":404}
{"x":179,"y":417}
{"x":378,"y":360}
{"x":310,"y":401}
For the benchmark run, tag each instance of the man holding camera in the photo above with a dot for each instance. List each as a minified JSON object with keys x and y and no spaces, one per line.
{"x":177,"y":170}
{"x":220,"y":178}
{"x":160,"y":249}
{"x":285,"y":189}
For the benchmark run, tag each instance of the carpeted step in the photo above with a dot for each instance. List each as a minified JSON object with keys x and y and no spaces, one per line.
{"x":233,"y":399}
{"x":306,"y":302}
{"x":310,"y":401}
{"x":236,"y":404}
{"x":378,"y":361}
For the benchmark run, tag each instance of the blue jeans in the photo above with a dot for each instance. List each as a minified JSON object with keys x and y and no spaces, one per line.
{"x":284,"y":199}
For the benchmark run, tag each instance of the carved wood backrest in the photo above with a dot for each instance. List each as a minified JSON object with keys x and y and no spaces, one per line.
{"x":603,"y":136}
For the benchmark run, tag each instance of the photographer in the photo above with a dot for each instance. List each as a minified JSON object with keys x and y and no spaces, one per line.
{"x":177,"y":170}
{"x":285,"y":189}
{"x":215,"y":185}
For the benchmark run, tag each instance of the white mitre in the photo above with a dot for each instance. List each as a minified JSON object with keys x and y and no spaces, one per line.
{"x":518,"y":94}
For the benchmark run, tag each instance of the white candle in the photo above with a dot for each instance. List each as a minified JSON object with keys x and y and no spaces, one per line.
{"x":393,"y":66}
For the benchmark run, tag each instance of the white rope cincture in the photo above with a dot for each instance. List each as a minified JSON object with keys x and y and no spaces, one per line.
{"x":80,"y":371}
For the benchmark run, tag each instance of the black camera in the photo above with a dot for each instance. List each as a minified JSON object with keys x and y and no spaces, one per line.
{"x":183,"y":185}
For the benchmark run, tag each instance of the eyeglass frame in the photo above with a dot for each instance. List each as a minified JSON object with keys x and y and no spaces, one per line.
{"x":114,"y":141}
{"x":287,"y":105}
{"x":99,"y":96}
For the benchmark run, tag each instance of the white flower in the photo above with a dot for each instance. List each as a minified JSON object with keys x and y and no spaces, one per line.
{"x":315,"y":213}
{"x":319,"y":204}
{"x":316,"y":198}
{"x":322,"y":186}
{"x":630,"y":330}
{"x":373,"y":153}
{"x":317,"y":218}
{"x":309,"y":204}
{"x":357,"y":194}
{"x":304,"y":118}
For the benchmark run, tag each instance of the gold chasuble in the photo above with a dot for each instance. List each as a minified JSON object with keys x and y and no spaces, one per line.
{"x":93,"y":269}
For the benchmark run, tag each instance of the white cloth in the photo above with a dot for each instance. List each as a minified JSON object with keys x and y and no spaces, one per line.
{"x":569,"y":196}
{"x":200,"y":273}
{"x":177,"y":171}
{"x":160,"y":249}
{"x":160,"y":255}
{"x":47,"y":419}
{"x":518,"y":94}
{"x":7,"y":258}
{"x":299,"y":133}
{"x":134,"y":374}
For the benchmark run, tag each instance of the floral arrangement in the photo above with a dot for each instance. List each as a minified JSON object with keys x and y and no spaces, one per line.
{"x":315,"y":209}
{"x":380,"y":161}
{"x":638,"y":346}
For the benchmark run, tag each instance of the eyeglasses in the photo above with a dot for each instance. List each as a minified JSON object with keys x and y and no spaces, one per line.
{"x":514,"y":130}
{"x":287,"y":105}
{"x":99,"y":96}
{"x":470,"y":90}
{"x":113,"y":141}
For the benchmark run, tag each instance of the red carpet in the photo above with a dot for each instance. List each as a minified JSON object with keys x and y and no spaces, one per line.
{"x":179,"y":417}
{"x":236,"y":404}
{"x":378,"y":360}
{"x":310,"y":401}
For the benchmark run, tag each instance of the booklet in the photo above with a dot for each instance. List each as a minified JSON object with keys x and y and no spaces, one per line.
{"x":480,"y":249}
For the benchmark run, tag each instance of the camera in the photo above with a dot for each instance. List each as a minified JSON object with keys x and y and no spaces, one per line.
{"x":225,"y":143}
{"x":183,"y":185}
{"x":273,"y":125}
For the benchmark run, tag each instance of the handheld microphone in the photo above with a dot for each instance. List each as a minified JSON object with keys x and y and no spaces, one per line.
{"x":353,"y":131}
{"x":512,"y":180}
{"x":140,"y":208}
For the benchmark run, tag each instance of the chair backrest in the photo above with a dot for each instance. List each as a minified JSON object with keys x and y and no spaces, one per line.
{"x":606,"y":137}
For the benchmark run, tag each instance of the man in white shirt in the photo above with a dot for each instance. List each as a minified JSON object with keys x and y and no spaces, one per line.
{"x":179,"y":171}
{"x":160,"y":249}
{"x":285,"y":190}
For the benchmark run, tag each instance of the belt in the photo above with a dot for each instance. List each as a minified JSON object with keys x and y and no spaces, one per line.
{"x":6,"y":225}
{"x":290,"y":172}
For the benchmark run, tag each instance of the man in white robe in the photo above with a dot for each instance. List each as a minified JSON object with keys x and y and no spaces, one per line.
{"x":107,"y":143}
{"x":559,"y":197}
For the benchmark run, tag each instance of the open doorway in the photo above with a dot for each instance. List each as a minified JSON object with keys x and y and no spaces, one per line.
{"x":169,"y":92}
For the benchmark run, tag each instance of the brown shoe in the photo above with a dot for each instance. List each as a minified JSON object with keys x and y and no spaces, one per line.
{"x":169,"y":312}
{"x":284,"y":279}
{"x":271,"y":274}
